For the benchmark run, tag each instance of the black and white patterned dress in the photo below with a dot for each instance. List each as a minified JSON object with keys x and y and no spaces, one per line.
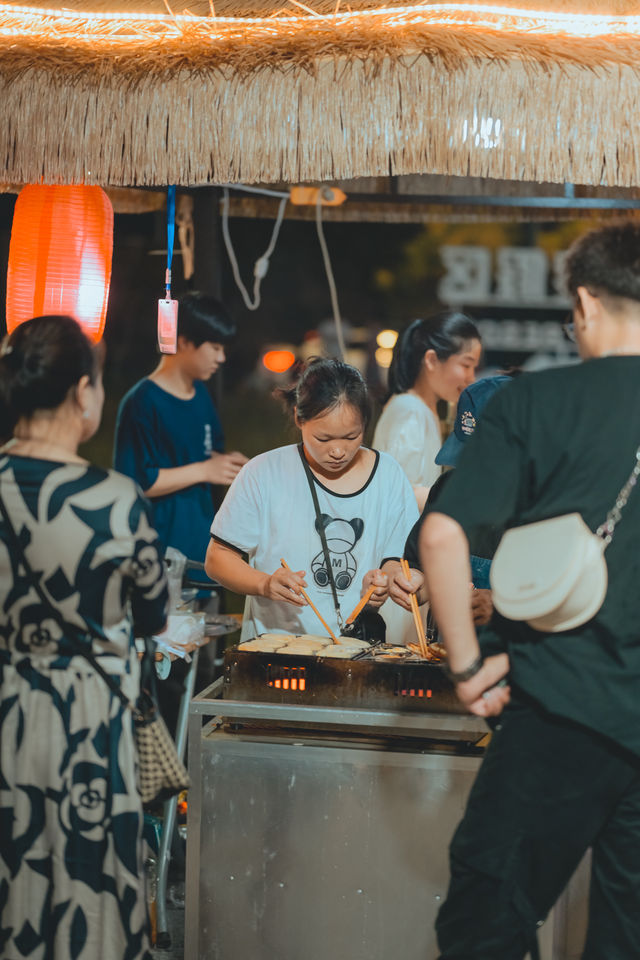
{"x":71,"y":885}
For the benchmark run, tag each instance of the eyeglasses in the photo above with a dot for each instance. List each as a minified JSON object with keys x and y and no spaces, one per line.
{"x":569,"y":329}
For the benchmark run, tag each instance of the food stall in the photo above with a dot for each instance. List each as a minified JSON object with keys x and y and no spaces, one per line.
{"x":325,"y":792}
{"x":320,"y":812}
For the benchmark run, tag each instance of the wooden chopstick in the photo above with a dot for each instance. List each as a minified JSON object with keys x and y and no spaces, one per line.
{"x":362,"y":603}
{"x":312,"y":605}
{"x":415,"y":610}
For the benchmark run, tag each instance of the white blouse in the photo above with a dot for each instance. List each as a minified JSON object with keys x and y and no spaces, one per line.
{"x":410,"y":432}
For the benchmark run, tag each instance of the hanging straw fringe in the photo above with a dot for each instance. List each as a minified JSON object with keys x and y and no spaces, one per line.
{"x":199,"y":100}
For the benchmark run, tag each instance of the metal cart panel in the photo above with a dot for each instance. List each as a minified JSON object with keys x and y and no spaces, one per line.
{"x":327,"y":836}
{"x":310,"y":851}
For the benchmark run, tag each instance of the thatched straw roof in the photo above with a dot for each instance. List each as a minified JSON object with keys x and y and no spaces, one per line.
{"x":244,"y":91}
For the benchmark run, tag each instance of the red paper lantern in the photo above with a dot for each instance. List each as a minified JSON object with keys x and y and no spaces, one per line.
{"x":60,"y":256}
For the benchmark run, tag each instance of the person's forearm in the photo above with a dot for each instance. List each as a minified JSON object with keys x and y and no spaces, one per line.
{"x":172,"y":479}
{"x":444,"y":552}
{"x":228,"y":568}
{"x":421,"y":493}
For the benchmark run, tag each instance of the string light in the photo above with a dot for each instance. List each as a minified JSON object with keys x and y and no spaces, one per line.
{"x":28,"y":21}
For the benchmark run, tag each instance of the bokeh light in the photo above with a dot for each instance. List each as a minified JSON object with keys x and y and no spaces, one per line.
{"x":383,"y":357}
{"x":387,"y":339}
{"x":278,"y":361}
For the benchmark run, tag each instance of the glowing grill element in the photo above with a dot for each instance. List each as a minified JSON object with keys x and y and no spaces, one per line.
{"x":283,"y":677}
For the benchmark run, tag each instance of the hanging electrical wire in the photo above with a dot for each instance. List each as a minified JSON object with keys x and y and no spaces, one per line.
{"x":261,"y":191}
{"x":261,"y":265}
{"x":337,"y":319}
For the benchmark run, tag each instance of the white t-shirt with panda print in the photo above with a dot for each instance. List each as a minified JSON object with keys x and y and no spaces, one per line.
{"x":268,"y":514}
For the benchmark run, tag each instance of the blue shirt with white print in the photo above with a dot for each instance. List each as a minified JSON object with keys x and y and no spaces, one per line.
{"x":156,"y":430}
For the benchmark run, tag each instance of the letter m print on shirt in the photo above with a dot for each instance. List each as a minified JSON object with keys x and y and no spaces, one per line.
{"x":342,"y":536}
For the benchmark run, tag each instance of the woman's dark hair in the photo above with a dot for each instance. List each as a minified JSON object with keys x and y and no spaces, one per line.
{"x":39,"y":363}
{"x":322,"y":384}
{"x":203,"y":319}
{"x":445,"y":332}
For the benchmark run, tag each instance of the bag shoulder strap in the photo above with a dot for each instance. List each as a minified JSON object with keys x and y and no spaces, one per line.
{"x":69,"y":630}
{"x":323,"y":538}
{"x":605,"y":530}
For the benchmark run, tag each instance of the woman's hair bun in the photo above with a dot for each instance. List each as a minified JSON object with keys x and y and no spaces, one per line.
{"x":321,"y":384}
{"x":40,"y":362}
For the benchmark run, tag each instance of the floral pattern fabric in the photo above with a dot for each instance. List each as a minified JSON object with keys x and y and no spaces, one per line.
{"x":71,"y":882}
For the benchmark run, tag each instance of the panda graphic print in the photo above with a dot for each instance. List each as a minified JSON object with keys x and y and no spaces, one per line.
{"x":342,"y":536}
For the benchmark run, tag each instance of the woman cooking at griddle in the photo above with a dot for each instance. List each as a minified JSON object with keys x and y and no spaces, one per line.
{"x":333,"y":509}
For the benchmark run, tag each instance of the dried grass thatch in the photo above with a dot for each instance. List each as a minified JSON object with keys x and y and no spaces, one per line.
{"x":171,"y":99}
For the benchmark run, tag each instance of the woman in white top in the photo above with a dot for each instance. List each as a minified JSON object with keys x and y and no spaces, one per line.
{"x":366,"y":509}
{"x":433,"y":359}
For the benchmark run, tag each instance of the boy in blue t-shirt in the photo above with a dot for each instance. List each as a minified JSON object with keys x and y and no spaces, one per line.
{"x":168,"y":434}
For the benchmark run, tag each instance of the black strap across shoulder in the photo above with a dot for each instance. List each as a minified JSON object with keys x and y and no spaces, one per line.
{"x":323,"y":538}
{"x":71,"y":632}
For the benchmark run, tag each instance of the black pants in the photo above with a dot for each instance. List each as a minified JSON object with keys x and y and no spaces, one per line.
{"x":547,"y":791}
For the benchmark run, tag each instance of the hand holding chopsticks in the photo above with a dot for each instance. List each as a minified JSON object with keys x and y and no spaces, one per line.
{"x":312,"y":605}
{"x":286,"y":586}
{"x":361,"y":604}
{"x":415,"y":610}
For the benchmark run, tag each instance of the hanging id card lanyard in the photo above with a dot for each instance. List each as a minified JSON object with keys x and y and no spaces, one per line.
{"x":323,"y":538}
{"x":168,"y":308}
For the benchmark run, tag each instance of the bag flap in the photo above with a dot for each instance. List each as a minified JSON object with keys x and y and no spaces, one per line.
{"x":539,"y":562}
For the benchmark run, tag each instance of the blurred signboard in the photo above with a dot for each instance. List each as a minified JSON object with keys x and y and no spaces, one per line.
{"x":517,"y":296}
{"x":524,"y":276}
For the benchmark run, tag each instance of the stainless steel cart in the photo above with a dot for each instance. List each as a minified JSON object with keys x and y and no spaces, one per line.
{"x":318,"y":832}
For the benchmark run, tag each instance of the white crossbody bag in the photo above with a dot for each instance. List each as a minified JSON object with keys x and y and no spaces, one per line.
{"x":553,"y":573}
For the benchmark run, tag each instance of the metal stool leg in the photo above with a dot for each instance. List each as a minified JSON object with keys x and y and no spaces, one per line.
{"x":163,"y":940}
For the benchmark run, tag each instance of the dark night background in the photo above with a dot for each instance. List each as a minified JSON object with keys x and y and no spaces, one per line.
{"x":386,"y":274}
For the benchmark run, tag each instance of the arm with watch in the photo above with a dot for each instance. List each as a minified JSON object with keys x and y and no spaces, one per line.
{"x":444,"y":552}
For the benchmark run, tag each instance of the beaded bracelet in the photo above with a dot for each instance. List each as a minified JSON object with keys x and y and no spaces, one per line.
{"x":467,"y":674}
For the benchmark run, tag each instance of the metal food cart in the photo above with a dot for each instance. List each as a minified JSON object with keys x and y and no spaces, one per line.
{"x":321,"y":829}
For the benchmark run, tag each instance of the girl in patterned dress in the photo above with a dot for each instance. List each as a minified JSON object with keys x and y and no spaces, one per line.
{"x":71,"y":882}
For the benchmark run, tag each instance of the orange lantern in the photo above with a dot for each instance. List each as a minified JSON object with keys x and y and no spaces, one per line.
{"x":60,"y":256}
